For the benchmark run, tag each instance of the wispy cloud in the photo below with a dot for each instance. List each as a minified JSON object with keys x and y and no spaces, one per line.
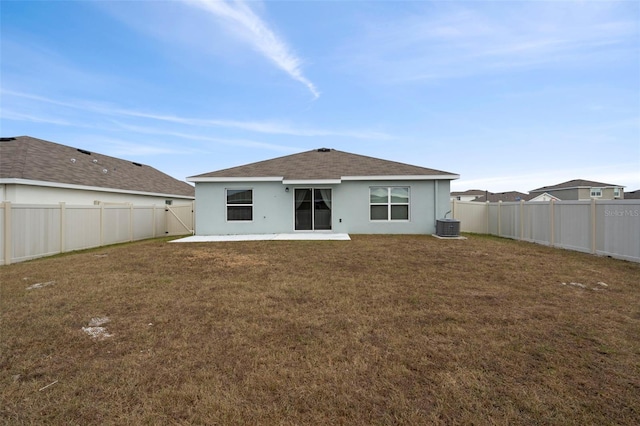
{"x":250,"y":27}
{"x":446,"y":40}
{"x":266,"y":127}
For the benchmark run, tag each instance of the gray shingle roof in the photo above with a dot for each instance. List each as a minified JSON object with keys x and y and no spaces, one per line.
{"x":28,"y":158}
{"x":476,"y":192}
{"x":632,"y":195}
{"x":576,"y":183}
{"x":323,"y":164}
{"x":504,"y":197}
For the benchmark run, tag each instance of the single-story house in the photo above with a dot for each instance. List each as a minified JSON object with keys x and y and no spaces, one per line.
{"x":35,"y":171}
{"x":580,"y":189}
{"x":322,"y":190}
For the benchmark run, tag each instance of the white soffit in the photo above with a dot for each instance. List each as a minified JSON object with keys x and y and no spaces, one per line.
{"x":311,"y":181}
{"x":403,"y":177}
{"x":236,"y":179}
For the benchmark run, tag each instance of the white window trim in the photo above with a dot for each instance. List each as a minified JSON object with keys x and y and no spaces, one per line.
{"x":227,"y":205}
{"x":617,"y":192}
{"x":389,"y":204}
{"x":599,"y":192}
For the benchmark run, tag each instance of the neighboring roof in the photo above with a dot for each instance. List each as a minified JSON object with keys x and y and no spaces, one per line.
{"x":30,"y":159}
{"x":476,"y":192}
{"x":504,"y":196}
{"x":324,"y":164}
{"x":576,"y":183}
{"x":633,"y":195}
{"x":543,"y":197}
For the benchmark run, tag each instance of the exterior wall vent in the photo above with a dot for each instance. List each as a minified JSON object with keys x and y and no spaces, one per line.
{"x":447,"y":228}
{"x":324,"y":149}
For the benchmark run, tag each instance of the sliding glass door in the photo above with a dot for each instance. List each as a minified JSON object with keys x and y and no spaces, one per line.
{"x":312,"y":209}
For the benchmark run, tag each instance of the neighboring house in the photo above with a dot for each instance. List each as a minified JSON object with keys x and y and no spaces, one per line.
{"x":632,"y":195}
{"x":580,"y":189}
{"x":35,"y":171}
{"x":494,"y":197}
{"x":544,"y":197}
{"x":468,"y":195}
{"x":321,"y":190}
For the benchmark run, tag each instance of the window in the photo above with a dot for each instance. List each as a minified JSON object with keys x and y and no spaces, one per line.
{"x":616,"y":192}
{"x":389,"y":203}
{"x":596,"y":192}
{"x":239,"y":204}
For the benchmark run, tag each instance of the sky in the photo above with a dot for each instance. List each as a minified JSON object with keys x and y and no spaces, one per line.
{"x":510,"y":95}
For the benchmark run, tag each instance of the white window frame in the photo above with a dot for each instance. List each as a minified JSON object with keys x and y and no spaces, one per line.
{"x":389,"y":204}
{"x":596,"y":192}
{"x":227,"y":205}
{"x":617,"y":192}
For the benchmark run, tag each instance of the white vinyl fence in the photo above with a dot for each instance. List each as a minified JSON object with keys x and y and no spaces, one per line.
{"x":28,"y":231}
{"x":604,"y":227}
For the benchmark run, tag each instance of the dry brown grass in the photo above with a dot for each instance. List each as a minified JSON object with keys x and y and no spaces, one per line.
{"x":379,"y":330}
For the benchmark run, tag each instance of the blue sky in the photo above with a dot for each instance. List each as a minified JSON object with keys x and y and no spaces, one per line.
{"x":510,"y":95}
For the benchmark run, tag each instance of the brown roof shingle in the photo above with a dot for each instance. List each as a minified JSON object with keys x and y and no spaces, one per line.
{"x":323,"y":164}
{"x":28,"y":158}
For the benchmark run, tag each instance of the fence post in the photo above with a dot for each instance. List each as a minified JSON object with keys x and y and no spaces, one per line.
{"x":130,"y":221}
{"x":594,"y":232}
{"x":552,"y":224}
{"x":8,"y":246}
{"x":486,"y":213}
{"x":101,"y":223}
{"x":63,"y":225}
{"x":153,"y":220}
{"x":453,"y":209}
{"x":499,"y":217}
{"x":521,"y":219}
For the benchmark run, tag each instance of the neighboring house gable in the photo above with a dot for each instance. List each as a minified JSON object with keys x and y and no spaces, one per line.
{"x":37,"y":171}
{"x":321,"y":190}
{"x":580,"y":189}
{"x":544,"y":197}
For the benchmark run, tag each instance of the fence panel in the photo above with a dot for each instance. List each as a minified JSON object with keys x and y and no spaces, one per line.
{"x":510,"y":220}
{"x":472,"y":216}
{"x":620,"y":225}
{"x":31,"y":231}
{"x":572,"y":224}
{"x":82,"y":230}
{"x":493,"y":219}
{"x":116,"y":224}
{"x":143,"y":222}
{"x":3,"y":241}
{"x":537,"y":223}
{"x":35,"y":230}
{"x":605,"y":227}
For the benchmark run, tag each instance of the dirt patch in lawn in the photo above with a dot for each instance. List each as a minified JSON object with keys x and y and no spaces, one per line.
{"x":377,"y":330}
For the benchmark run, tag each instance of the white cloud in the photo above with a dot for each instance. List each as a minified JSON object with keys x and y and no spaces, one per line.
{"x":266,"y":127}
{"x":248,"y":26}
{"x":445,"y":40}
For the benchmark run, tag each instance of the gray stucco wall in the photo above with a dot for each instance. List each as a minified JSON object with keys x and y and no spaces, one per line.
{"x":273,"y":208}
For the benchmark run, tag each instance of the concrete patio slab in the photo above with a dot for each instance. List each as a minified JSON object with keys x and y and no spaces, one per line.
{"x":303,"y":236}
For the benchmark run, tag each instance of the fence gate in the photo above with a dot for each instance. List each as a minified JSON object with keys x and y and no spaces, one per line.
{"x":180,"y":219}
